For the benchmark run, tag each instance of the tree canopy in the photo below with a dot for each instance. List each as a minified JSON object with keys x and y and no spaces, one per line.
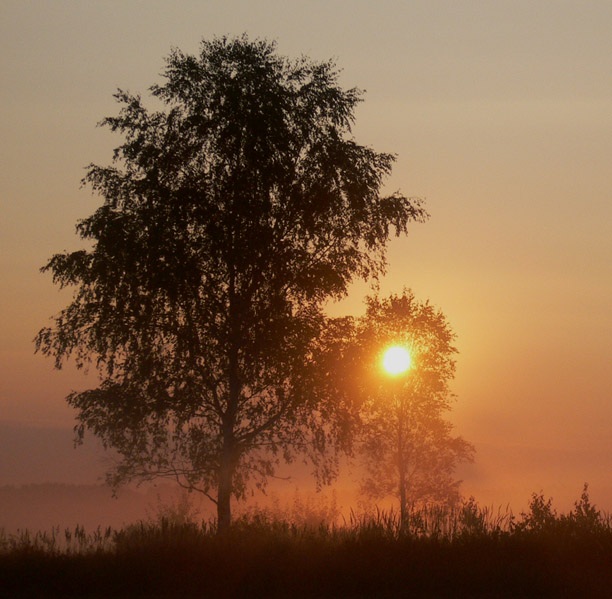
{"x":406,"y":445}
{"x":229,"y":216}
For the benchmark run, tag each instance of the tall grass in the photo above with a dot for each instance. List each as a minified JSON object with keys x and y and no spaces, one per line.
{"x":464,"y":552}
{"x":58,"y":541}
{"x":433,"y":522}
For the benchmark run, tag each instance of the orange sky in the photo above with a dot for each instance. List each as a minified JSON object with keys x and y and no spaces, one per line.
{"x":501,"y":116}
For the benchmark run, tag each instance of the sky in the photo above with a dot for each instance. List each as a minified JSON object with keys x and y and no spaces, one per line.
{"x":500,"y":114}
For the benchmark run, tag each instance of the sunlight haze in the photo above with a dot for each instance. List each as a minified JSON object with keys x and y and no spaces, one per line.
{"x":500,"y":115}
{"x":396,"y":360}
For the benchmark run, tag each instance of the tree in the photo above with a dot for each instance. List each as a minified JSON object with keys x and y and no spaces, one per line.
{"x":230,"y":216}
{"x":407,"y":446}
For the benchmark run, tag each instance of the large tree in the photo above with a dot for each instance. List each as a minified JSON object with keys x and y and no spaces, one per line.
{"x":407,"y":446}
{"x":229,"y":216}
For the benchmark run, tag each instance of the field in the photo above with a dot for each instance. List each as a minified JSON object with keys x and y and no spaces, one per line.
{"x":466,"y":552}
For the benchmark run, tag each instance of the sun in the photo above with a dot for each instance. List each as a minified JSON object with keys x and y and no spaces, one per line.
{"x":396,"y":360}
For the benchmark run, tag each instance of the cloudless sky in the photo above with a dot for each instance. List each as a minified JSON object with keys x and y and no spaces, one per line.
{"x":500,"y":114}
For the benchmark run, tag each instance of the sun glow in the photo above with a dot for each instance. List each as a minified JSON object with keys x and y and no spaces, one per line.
{"x":396,"y":360}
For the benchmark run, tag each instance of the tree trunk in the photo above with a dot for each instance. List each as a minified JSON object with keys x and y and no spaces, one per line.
{"x":401,"y":464}
{"x":228,"y":456}
{"x":402,"y":490}
{"x":228,"y":461}
{"x":224,"y":491}
{"x":229,"y":453}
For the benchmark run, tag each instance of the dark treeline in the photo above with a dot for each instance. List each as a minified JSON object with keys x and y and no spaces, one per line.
{"x":468,"y":551}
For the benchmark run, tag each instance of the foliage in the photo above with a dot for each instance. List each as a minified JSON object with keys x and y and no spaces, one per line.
{"x":585,"y":515}
{"x":229,"y":217}
{"x":543,"y":519}
{"x":541,"y":516}
{"x":407,"y":447}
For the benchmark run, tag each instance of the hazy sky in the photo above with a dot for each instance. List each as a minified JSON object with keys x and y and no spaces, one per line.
{"x":500,"y":114}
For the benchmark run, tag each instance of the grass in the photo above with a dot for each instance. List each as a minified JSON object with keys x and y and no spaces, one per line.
{"x":466,"y":552}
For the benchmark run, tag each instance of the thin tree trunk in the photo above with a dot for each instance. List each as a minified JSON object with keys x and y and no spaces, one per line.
{"x":401,"y":465}
{"x":403,"y":507}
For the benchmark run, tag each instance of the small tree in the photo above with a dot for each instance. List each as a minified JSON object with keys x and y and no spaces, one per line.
{"x":229,"y":217}
{"x":407,"y":447}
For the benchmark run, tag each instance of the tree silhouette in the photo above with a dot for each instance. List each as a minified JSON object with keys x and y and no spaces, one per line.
{"x":230,"y":216}
{"x":407,"y":447}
